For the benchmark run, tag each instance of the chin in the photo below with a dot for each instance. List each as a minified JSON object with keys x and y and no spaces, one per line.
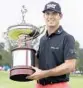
{"x":52,"y":25}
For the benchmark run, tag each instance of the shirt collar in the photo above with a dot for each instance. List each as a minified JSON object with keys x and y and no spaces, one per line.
{"x":58,"y":31}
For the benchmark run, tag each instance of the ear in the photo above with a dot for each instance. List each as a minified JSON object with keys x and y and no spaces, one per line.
{"x":61,"y":15}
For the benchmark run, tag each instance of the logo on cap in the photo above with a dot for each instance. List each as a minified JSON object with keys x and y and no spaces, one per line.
{"x":51,"y":6}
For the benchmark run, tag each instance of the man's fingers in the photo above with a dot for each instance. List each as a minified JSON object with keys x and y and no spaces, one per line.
{"x":30,"y":77}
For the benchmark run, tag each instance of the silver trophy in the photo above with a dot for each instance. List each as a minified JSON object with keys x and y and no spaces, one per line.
{"x":20,"y":38}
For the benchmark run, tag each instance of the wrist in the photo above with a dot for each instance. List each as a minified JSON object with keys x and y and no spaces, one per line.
{"x":47,"y":73}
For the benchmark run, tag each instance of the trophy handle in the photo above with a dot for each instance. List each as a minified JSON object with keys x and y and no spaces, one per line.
{"x":36,"y":33}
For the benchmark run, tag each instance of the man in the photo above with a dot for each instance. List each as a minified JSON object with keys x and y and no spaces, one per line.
{"x":56,"y":55}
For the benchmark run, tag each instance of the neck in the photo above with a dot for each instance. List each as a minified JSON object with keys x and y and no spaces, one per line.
{"x":52,"y":29}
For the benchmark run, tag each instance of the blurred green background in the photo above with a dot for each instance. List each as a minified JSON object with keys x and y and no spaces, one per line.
{"x":5,"y":82}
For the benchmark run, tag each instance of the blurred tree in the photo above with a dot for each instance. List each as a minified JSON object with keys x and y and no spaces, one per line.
{"x":2,"y":45}
{"x":81,"y":60}
{"x":77,"y":47}
{"x":5,"y":56}
{"x":79,"y":52}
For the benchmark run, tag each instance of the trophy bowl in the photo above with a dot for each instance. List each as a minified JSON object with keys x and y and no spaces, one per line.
{"x":22,"y":50}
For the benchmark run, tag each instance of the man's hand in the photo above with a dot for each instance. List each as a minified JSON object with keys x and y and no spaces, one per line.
{"x":37,"y":75}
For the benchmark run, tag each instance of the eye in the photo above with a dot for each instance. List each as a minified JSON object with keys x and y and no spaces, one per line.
{"x":54,"y":13}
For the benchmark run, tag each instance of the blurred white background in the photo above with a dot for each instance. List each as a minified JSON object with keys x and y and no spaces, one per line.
{"x":72,"y":21}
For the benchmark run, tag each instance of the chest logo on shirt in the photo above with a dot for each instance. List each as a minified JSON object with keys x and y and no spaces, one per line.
{"x":55,"y":48}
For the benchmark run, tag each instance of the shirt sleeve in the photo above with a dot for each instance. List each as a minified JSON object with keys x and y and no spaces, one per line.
{"x":69,"y":47}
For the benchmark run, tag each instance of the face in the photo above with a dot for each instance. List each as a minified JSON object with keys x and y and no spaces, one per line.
{"x":52,"y":18}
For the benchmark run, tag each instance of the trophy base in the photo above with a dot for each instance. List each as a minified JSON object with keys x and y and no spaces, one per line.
{"x":20,"y":73}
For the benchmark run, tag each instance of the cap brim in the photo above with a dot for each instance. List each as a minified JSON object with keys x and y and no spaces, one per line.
{"x":50,"y":10}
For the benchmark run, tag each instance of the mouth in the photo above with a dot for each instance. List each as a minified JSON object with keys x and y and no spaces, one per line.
{"x":51,"y":21}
